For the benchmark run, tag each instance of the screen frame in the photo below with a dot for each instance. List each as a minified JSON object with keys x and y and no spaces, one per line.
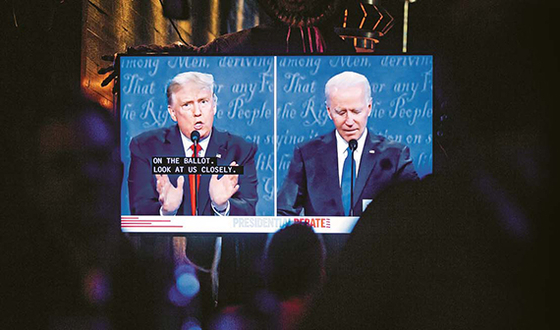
{"x":438,"y":131}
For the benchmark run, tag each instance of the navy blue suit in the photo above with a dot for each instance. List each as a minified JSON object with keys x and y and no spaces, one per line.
{"x":143,"y":196}
{"x":312,"y":183}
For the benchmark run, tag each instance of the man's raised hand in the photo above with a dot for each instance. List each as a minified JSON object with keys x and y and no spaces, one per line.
{"x":170,"y":197}
{"x":222,"y":189}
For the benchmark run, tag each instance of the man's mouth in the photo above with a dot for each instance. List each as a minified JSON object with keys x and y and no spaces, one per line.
{"x":198,"y":126}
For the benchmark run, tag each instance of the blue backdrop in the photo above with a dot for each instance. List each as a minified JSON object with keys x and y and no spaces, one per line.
{"x":246,"y":86}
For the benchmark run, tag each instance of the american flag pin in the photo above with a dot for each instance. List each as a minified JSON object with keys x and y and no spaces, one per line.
{"x":372,"y":151}
{"x":218,"y":156}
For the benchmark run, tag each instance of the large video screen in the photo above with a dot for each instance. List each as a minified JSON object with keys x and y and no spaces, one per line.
{"x":270,"y":118}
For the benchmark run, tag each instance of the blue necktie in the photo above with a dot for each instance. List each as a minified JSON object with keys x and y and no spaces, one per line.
{"x":345,"y":184}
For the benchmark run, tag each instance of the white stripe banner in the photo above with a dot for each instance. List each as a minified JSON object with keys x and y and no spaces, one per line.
{"x":231,"y":224}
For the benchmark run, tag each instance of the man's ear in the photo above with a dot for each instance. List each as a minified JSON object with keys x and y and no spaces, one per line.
{"x":171,"y":113}
{"x":328,"y":112}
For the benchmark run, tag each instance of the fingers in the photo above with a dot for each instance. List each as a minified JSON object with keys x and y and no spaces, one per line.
{"x":105,"y":70}
{"x":109,"y":79}
{"x":159,"y":183}
{"x":228,"y":181}
{"x":108,"y":58}
{"x":143,"y":48}
{"x":180,"y":183}
{"x":162,"y":182}
{"x":232,"y":177}
{"x":111,"y":69}
{"x":162,"y":185}
{"x":235,"y":189}
{"x":162,"y":193}
{"x":163,"y":178}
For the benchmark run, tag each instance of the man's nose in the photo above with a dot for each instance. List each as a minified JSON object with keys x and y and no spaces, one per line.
{"x":196,"y":109}
{"x":349,"y":119}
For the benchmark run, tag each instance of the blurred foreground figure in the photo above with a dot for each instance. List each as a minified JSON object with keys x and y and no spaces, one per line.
{"x":297,"y":27}
{"x":444,"y":258}
{"x":294,"y":272}
{"x":465,"y":248}
{"x":88,"y":274}
{"x":294,"y":27}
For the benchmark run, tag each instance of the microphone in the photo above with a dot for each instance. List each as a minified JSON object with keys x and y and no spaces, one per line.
{"x":195,"y":138}
{"x":353,"y":145}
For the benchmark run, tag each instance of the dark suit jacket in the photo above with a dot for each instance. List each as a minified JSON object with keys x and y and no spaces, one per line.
{"x":143,"y":196}
{"x":312,"y":182}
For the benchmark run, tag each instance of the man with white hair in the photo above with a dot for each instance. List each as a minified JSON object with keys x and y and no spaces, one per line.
{"x":318,"y":179}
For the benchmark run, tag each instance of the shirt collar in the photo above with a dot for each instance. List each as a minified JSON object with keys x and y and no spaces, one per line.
{"x":187,"y":143}
{"x":342,"y":145}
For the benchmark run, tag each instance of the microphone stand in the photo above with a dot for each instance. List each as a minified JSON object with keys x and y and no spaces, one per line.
{"x":353,"y":145}
{"x":352,"y":185}
{"x":196,"y":179}
{"x":195,"y":136}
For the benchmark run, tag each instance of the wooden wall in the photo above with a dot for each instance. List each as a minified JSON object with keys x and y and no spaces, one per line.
{"x":110,"y":26}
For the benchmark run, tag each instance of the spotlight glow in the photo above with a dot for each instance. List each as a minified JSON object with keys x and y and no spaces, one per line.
{"x":188,"y":285}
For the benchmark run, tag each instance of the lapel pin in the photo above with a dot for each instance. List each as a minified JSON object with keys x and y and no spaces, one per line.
{"x":372,"y":151}
{"x":218,"y":156}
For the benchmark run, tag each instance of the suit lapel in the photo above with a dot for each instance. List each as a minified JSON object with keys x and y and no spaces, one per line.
{"x":367,"y":165}
{"x":328,"y":157}
{"x":173,"y":143}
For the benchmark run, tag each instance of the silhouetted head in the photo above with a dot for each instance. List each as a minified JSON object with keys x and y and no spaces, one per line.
{"x":295,"y":261}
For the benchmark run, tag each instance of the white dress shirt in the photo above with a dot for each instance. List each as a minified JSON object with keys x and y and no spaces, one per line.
{"x":342,"y":152}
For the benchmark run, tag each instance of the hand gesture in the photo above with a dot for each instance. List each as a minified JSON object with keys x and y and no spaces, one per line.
{"x":222,"y":189}
{"x":170,"y":197}
{"x":111,"y":68}
{"x":176,"y":47}
{"x":141,"y":49}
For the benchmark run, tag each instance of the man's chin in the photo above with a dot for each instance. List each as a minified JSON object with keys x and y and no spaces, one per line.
{"x":350,"y":136}
{"x":203,"y":132}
